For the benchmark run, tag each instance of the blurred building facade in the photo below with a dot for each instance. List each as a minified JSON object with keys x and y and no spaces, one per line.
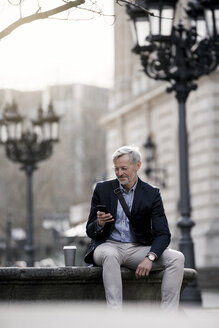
{"x":140,"y":107}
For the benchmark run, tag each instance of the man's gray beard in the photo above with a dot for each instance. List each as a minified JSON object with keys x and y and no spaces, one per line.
{"x":123,"y":183}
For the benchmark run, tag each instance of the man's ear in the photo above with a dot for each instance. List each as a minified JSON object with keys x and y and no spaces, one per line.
{"x":138,"y":165}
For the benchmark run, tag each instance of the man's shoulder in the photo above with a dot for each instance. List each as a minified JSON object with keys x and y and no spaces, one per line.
{"x":105,"y":183}
{"x":147,"y":185}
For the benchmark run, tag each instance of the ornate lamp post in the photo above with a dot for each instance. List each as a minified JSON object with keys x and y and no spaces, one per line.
{"x":28,"y":148}
{"x":180,"y":55}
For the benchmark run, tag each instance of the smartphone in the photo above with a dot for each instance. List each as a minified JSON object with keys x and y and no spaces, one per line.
{"x":102,"y":208}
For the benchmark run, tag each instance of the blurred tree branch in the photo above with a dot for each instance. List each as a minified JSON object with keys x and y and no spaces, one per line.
{"x":38,"y":14}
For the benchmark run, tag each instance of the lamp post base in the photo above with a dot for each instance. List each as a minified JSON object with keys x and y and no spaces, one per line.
{"x":30,"y":251}
{"x":191,"y":295}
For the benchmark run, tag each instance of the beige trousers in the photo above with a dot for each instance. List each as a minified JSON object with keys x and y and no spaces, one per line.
{"x":112,"y":255}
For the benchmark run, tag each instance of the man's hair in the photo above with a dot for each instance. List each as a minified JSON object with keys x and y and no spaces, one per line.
{"x":132,"y":151}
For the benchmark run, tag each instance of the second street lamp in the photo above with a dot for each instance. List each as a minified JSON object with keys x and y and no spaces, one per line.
{"x":179,"y":55}
{"x":28,"y":148}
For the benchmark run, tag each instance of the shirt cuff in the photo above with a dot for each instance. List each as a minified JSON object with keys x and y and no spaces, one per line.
{"x":99,"y":228}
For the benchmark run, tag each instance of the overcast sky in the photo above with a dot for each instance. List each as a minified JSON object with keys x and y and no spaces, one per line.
{"x":51,"y":52}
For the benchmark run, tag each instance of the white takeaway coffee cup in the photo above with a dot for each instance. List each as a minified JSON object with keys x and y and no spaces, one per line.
{"x":69,"y":254}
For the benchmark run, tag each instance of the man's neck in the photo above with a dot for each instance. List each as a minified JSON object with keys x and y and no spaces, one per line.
{"x":130,"y":185}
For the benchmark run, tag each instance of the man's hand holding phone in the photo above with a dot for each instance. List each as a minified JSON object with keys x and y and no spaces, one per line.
{"x":102,"y":215}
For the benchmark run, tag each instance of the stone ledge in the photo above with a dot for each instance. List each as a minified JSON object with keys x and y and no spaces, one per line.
{"x":77,"y":283}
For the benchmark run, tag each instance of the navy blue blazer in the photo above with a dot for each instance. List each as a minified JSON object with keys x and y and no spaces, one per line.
{"x":149,"y":223}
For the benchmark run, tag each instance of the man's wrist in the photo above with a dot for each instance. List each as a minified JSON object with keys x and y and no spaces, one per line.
{"x":99,"y":227}
{"x":151,"y":256}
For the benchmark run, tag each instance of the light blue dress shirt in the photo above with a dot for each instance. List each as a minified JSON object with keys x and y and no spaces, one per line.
{"x":122,"y":231}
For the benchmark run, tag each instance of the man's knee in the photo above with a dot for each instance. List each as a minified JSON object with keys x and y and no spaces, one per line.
{"x":181,"y":258}
{"x":174,"y":258}
{"x":103,"y":254}
{"x":178,"y":259}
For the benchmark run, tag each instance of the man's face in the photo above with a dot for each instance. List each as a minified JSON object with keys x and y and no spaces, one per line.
{"x":125,"y":171}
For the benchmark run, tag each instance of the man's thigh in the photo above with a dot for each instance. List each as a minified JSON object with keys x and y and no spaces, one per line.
{"x":106,"y":250}
{"x":136,"y":255}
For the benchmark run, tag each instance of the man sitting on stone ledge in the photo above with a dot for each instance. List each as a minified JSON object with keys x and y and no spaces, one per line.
{"x":136,"y":240}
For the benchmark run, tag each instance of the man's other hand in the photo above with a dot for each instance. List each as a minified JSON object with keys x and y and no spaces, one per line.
{"x":143,"y":268}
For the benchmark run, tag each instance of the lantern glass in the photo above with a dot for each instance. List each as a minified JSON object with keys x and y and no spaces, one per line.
{"x":212,"y":22}
{"x":13,"y":122}
{"x":134,"y":32}
{"x":216,"y":12}
{"x":199,"y":23}
{"x":201,"y":29}
{"x":11,"y":130}
{"x":37,"y":129}
{"x":155,"y":22}
{"x":19,"y":130}
{"x":55,"y":131}
{"x":167,"y":21}
{"x":46,"y":131}
{"x":3,"y":132}
{"x":163,"y":22}
{"x":142,"y":30}
{"x":209,"y":22}
{"x":51,"y":124}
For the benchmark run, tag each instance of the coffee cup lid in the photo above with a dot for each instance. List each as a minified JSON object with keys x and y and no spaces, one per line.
{"x":69,"y":247}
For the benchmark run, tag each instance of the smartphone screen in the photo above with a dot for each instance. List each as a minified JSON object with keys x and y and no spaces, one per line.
{"x":102,"y":208}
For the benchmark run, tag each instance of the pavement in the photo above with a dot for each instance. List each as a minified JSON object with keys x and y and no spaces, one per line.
{"x":210,"y":299}
{"x":96,"y":315}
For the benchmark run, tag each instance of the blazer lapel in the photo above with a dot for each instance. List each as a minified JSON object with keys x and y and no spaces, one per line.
{"x":139,"y":192}
{"x":113,"y":203}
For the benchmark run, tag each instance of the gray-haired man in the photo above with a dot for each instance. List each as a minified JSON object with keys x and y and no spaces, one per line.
{"x":140,"y":244}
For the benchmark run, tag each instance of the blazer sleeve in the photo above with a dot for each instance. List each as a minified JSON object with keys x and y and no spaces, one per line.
{"x":160,"y":230}
{"x":93,"y":230}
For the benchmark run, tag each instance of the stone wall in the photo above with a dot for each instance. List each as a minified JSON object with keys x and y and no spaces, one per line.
{"x":77,"y":283}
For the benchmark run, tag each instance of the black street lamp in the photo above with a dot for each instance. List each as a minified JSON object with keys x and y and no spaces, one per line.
{"x":179,"y":54}
{"x":28,"y":148}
